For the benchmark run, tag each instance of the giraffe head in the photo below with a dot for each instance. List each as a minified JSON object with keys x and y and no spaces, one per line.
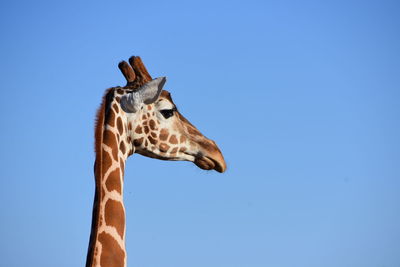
{"x":156,"y":128}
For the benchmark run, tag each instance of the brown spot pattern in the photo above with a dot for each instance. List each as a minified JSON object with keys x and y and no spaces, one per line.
{"x":173,"y":139}
{"x":152,"y":124}
{"x":112,"y":254}
{"x":164,"y":134}
{"x":164,"y":147}
{"x":107,"y":162}
{"x":138,"y":129}
{"x":120,"y":126}
{"x":122,"y":147}
{"x":152,"y":140}
{"x":174,"y":150}
{"x":115,"y":215}
{"x":109,"y":140}
{"x":114,"y":181}
{"x":116,"y":108}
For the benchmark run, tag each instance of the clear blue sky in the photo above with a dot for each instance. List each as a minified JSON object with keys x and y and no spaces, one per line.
{"x":301,"y":96}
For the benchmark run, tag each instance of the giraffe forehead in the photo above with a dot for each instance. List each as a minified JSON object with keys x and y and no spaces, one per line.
{"x":165,"y":96}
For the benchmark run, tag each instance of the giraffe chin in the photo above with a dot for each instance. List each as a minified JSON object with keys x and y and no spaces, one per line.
{"x":207,"y":163}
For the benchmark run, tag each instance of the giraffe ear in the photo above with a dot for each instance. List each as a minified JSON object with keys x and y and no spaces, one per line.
{"x":146,"y":94}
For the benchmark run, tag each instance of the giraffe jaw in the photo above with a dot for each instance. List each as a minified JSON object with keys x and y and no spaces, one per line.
{"x":201,"y":161}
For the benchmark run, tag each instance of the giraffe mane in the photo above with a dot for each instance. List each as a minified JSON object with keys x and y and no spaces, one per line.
{"x":98,"y":136}
{"x":99,"y":122}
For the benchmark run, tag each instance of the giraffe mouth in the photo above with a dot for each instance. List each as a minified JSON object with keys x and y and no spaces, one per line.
{"x":207,"y":163}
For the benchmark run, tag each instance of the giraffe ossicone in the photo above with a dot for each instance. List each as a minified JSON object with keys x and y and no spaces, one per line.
{"x":137,"y":118}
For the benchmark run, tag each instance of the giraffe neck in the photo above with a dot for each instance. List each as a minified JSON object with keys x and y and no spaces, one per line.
{"x":107,"y":238}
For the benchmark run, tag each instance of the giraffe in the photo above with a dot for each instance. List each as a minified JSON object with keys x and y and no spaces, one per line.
{"x":139,"y":118}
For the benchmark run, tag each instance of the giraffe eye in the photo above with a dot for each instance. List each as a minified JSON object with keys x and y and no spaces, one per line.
{"x":167,"y":113}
